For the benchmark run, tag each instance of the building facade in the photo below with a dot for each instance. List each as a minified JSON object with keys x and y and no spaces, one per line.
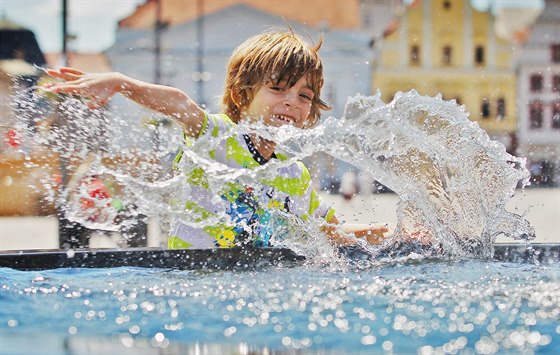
{"x":539,"y":97}
{"x":447,"y":47}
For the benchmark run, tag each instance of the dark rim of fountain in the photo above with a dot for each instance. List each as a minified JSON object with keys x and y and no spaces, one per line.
{"x":188,"y":259}
{"x":221,"y":259}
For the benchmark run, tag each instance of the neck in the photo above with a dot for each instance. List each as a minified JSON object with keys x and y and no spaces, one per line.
{"x":265,"y":147}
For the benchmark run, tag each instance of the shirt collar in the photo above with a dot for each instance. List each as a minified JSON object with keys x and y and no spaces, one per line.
{"x":255,"y":152}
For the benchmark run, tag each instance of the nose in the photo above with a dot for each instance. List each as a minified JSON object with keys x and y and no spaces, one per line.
{"x":291,"y":98}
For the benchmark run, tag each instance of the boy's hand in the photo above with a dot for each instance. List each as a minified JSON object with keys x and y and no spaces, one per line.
{"x":66,"y":74}
{"x":97,"y":88}
{"x":374,"y":234}
{"x":346,"y":234}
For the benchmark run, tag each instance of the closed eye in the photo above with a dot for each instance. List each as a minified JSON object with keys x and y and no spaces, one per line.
{"x":306,"y":97}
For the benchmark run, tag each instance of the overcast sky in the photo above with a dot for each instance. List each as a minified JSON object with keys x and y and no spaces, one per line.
{"x":94,"y":22}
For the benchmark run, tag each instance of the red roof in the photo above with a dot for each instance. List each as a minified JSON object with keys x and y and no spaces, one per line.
{"x":336,"y":13}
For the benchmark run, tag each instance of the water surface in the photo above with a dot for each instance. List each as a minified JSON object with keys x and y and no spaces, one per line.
{"x":411,"y":307}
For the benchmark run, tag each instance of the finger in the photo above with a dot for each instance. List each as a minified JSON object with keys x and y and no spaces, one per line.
{"x":67,"y":70}
{"x":378,"y":230}
{"x":53,"y":73}
{"x":63,"y":76}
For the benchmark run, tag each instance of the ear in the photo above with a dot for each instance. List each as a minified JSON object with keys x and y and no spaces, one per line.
{"x":241,"y":98}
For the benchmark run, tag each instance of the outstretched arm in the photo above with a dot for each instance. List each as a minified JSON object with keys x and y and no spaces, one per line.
{"x":98,"y":88}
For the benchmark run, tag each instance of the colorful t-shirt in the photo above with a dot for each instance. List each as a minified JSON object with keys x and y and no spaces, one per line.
{"x":249,"y":207}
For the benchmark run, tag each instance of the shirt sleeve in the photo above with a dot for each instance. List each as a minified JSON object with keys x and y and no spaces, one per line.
{"x":215,"y":125}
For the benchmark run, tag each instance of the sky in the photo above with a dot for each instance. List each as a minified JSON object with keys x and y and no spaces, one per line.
{"x":94,"y":22}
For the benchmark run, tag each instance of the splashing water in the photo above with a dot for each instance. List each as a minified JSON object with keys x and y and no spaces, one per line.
{"x":452,"y":179}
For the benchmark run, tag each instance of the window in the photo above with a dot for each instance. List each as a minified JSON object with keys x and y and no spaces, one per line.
{"x":501,"y":108}
{"x":479,"y":55}
{"x":535,"y":114}
{"x":415,"y":55}
{"x":555,"y":52}
{"x":556,"y":83}
{"x":366,"y":18}
{"x":536,"y":82}
{"x":447,"y":53}
{"x":556,"y":115}
{"x":485,"y":108}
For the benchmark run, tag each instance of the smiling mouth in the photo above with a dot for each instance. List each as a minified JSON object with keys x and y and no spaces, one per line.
{"x":283,"y":118}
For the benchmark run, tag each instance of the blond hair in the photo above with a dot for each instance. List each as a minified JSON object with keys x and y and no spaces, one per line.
{"x":275,"y":56}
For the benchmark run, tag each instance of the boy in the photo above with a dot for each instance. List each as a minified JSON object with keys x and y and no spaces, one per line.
{"x":274,"y":77}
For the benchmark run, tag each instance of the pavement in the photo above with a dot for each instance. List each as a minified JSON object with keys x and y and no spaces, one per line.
{"x":540,"y":206}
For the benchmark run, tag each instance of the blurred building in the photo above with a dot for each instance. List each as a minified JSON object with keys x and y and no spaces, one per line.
{"x":200,"y":71}
{"x":88,"y":62}
{"x":27,"y":117}
{"x":20,"y":57}
{"x":379,"y":17}
{"x":539,"y":97}
{"x":447,"y":47}
{"x":313,"y":13}
{"x":173,"y":56}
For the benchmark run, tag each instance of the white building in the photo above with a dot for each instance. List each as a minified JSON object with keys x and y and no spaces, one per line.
{"x":346,"y":54}
{"x":539,"y":97}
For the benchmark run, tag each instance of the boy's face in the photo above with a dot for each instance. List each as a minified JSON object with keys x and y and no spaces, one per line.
{"x":278,"y":104}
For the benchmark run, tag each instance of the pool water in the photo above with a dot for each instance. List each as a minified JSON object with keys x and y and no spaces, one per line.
{"x":412,"y":306}
{"x":453,"y":182}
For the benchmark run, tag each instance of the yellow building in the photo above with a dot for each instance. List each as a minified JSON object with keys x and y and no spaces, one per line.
{"x":447,"y":47}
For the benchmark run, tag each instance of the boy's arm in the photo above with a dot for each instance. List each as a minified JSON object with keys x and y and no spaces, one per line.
{"x":100,"y":87}
{"x":341,"y":234}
